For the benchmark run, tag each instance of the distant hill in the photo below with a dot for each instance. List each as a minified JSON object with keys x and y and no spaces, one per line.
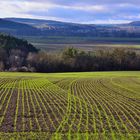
{"x":135,"y":23}
{"x":35,"y":27}
{"x":49,"y":27}
{"x":8,"y":43}
{"x":15,"y":28}
{"x":37,"y":22}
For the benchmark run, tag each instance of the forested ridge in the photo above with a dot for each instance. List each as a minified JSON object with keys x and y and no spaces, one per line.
{"x":19,"y":55}
{"x":13,"y":52}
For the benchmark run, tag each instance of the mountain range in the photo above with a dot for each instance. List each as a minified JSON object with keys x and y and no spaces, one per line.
{"x":36,"y":27}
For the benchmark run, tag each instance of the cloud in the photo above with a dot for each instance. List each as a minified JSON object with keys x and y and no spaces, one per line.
{"x":84,"y":2}
{"x":89,"y":11}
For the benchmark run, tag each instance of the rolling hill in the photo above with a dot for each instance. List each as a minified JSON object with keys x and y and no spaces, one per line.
{"x":135,"y":23}
{"x":15,"y":28}
{"x":35,"y":27}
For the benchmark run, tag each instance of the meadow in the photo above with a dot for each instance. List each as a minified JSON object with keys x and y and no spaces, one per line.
{"x":73,"y":106}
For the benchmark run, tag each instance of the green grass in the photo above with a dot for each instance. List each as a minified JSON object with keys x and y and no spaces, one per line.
{"x":73,"y":106}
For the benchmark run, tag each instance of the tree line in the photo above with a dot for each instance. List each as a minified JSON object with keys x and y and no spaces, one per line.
{"x":69,"y":60}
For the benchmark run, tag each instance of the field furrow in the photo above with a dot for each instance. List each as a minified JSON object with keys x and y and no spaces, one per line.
{"x":70,"y":107}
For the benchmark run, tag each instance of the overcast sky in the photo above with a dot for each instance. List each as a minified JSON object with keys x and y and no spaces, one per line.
{"x":80,"y":11}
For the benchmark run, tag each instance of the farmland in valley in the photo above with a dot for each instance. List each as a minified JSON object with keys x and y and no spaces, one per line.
{"x":77,"y":106}
{"x":58,"y":43}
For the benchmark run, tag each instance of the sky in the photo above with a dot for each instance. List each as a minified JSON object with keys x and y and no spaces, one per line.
{"x":78,"y":11}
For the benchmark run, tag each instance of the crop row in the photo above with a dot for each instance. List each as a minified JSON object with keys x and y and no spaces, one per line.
{"x":102,"y":107}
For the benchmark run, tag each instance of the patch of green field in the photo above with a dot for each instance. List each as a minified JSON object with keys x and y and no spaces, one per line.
{"x":70,"y":106}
